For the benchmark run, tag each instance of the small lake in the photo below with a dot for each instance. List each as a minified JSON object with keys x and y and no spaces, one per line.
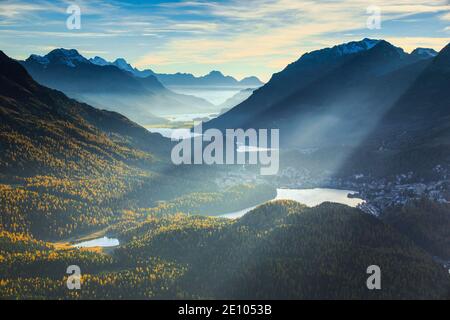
{"x":104,"y":242}
{"x":179,"y":133}
{"x":250,"y":149}
{"x":214,"y":94}
{"x":309,"y":197}
{"x":187,"y":117}
{"x":185,"y":133}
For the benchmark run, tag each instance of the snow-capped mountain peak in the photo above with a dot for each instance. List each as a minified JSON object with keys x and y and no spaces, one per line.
{"x":39,"y":59}
{"x":356,"y":46}
{"x":99,"y":61}
{"x":69,"y":57}
{"x":425,"y":52}
{"x":124,"y":65}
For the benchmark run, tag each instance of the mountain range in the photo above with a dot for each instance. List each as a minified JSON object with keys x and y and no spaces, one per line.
{"x":142,"y":99}
{"x":212,"y":79}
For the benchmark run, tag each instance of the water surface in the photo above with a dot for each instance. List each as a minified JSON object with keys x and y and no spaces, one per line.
{"x":309,"y":197}
{"x":104,"y":242}
{"x":214,"y":94}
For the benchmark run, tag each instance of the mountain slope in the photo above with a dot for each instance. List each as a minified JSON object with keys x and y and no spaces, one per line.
{"x":427,"y":223}
{"x":329,"y":97}
{"x":294,"y":77}
{"x":27,"y":106}
{"x":414,"y":133}
{"x":428,"y":98}
{"x":235,"y":100}
{"x":66,"y":166}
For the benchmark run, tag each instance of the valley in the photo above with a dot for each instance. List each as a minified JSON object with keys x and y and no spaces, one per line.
{"x":92,"y":187}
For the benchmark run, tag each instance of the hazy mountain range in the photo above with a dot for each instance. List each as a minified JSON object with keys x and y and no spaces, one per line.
{"x":212,"y":79}
{"x":236,"y":99}
{"x":142,"y":99}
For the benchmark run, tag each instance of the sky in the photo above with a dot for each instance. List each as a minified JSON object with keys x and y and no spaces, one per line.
{"x":238,"y":37}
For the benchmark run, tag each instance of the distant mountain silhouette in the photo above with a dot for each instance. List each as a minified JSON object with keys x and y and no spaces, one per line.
{"x":214,"y":78}
{"x":68,"y":71}
{"x":236,"y":99}
{"x":123,"y":65}
{"x":425,"y":53}
{"x":142,"y":99}
{"x":251,"y":82}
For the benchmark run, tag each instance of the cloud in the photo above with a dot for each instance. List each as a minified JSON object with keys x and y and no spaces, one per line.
{"x":12,"y":10}
{"x":276,"y":32}
{"x":445,"y":16}
{"x":77,"y":34}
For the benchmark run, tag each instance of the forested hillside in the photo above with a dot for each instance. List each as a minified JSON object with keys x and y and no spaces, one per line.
{"x":425,"y":222}
{"x":64,"y":164}
{"x":281,"y":250}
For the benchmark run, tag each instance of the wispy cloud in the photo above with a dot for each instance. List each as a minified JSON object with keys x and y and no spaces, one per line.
{"x":445,"y":16}
{"x":275,"y":32}
{"x":14,"y":9}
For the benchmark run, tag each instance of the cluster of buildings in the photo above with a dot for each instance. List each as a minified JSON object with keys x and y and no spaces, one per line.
{"x":377,"y":193}
{"x":380,"y":195}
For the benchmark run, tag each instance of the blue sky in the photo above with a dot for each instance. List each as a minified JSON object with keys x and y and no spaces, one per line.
{"x":240,"y":38}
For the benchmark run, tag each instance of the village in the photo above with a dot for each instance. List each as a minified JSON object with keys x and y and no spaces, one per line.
{"x":378,"y":194}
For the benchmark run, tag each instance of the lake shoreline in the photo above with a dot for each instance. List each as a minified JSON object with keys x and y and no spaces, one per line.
{"x":308,"y":196}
